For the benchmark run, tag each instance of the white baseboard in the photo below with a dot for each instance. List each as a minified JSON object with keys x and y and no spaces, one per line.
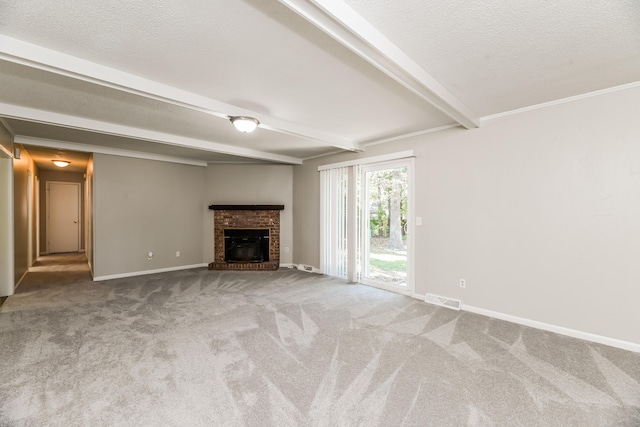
{"x":20,"y":280}
{"x":612,"y":342}
{"x":145,"y":272}
{"x":418,"y":296}
{"x":625,"y":345}
{"x":288,"y":265}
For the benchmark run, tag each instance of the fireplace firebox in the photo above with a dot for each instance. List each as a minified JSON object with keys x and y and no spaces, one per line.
{"x":246,"y":245}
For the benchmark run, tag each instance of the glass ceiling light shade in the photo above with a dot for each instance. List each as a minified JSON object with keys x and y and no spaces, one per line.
{"x":61,"y":163}
{"x":244,"y":124}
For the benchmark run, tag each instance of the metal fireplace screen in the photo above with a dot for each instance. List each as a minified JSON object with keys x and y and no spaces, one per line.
{"x":246,"y":245}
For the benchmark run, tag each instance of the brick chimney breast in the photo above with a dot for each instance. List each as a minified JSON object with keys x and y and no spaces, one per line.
{"x":246,"y":217}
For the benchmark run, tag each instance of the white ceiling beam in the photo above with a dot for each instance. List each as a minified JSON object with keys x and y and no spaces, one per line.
{"x":346,"y":26}
{"x":88,"y":148}
{"x":81,"y":123}
{"x":20,"y":52}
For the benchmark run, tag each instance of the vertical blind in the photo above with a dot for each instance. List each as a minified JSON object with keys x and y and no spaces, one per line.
{"x":340,"y":229}
{"x":334,"y":189}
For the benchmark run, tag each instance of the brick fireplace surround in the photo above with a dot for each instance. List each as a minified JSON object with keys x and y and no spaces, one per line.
{"x":246,"y":216}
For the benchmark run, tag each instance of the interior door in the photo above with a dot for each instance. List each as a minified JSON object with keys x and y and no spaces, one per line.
{"x":63,"y":225}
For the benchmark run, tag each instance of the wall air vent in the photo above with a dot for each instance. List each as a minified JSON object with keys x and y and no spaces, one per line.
{"x":442,"y":301}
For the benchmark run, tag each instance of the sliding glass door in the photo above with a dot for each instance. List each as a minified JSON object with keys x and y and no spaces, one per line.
{"x":385,"y":247}
{"x":366,"y":223}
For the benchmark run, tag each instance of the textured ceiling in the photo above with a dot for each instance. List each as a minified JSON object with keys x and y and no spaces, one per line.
{"x":502,"y":55}
{"x":162,"y":76}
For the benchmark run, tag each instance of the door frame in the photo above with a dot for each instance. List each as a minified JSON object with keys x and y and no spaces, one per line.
{"x":79,"y":216}
{"x":37,"y":214}
{"x":30,"y":222}
{"x":7,"y":247}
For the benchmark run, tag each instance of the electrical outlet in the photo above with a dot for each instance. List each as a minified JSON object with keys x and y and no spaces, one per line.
{"x":177,"y":254}
{"x":150,"y":255}
{"x":286,"y":249}
{"x":418,"y":220}
{"x":463,"y":283}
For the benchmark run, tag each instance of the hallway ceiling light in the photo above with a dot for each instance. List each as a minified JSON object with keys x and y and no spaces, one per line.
{"x":61,"y":163}
{"x":244,"y":124}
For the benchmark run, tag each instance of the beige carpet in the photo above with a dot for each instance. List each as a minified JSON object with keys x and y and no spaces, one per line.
{"x":286,"y":348}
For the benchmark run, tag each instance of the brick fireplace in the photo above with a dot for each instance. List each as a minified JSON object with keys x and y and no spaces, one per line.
{"x":246,"y":217}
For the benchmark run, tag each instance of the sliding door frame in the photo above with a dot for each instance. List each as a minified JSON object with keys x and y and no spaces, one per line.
{"x":409,"y":163}
{"x":355,"y":229}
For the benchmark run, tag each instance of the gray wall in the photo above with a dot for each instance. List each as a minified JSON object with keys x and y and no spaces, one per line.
{"x":88,"y":213}
{"x":58,"y":176}
{"x":250,"y":185}
{"x":538,"y":211}
{"x":22,"y":170}
{"x":142,"y":206}
{"x":6,"y":141}
{"x":7,"y":278}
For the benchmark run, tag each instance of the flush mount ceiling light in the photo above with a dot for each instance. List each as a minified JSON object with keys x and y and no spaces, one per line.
{"x":61,"y":163}
{"x":244,"y":124}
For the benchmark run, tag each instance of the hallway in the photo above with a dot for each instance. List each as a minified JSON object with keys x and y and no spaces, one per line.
{"x":60,"y":263}
{"x":51,"y":275}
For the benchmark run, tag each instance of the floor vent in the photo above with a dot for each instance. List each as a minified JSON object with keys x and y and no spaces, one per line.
{"x":308,"y":268}
{"x":442,"y":301}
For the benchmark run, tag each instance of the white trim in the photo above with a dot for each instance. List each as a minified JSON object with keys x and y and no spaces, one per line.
{"x":81,"y":123}
{"x":6,"y":125}
{"x":368,"y":160}
{"x":600,"y":339}
{"x":317,"y":156}
{"x":352,"y":232}
{"x":351,"y":30}
{"x":238,"y":162}
{"x":411,"y":227}
{"x":418,"y":296}
{"x":409,"y":163}
{"x":20,"y":281}
{"x":41,"y":58}
{"x":7,"y":246}
{"x":407,"y":135}
{"x":288,"y":265}
{"x":625,"y":345}
{"x":324,"y":200}
{"x":390,"y":288}
{"x":30,"y":210}
{"x":146,"y":272}
{"x":7,"y":152}
{"x":561,"y":101}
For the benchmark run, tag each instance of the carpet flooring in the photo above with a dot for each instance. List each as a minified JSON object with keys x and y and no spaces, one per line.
{"x":286,"y":348}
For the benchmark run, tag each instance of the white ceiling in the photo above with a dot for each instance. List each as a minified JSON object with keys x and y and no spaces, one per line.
{"x":161,"y":77}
